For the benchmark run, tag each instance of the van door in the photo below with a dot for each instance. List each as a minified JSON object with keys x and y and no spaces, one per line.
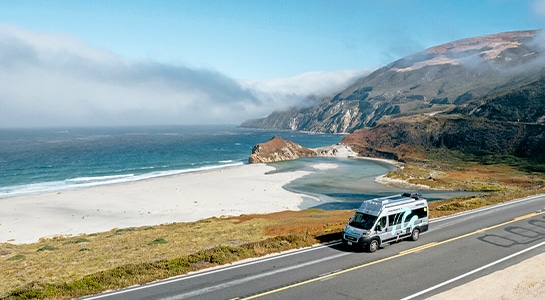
{"x":384,"y":232}
{"x":395,"y":228}
{"x":402,"y":223}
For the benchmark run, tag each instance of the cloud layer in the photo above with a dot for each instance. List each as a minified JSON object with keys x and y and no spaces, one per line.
{"x":53,"y":80}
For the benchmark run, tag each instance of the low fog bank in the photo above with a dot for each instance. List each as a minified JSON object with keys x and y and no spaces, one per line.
{"x":54,"y":80}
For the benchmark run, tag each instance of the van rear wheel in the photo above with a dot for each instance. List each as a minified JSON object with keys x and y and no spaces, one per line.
{"x":373,"y":246}
{"x":416,"y":234}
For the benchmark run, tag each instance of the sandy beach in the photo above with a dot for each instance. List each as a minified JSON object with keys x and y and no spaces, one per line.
{"x":186,"y":197}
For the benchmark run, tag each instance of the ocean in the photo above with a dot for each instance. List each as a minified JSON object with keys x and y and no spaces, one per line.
{"x":34,"y":161}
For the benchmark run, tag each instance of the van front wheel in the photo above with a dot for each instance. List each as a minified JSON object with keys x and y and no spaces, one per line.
{"x":416,"y":234}
{"x":373,"y":246}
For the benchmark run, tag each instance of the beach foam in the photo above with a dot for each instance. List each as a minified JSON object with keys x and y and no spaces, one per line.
{"x":325,"y":166}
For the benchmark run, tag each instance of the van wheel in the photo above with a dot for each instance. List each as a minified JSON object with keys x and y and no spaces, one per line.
{"x":373,"y":246}
{"x":416,"y":234}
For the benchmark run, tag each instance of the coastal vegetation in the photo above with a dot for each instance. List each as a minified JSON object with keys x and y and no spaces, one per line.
{"x":73,"y":266}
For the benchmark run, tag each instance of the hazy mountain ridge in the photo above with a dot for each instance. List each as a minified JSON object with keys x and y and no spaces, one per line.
{"x":438,"y":79}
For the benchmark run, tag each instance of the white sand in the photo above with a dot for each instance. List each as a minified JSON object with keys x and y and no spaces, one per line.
{"x":181,"y":198}
{"x":382,"y":179}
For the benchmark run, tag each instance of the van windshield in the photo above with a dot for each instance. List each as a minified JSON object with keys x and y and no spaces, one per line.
{"x":362,"y":221}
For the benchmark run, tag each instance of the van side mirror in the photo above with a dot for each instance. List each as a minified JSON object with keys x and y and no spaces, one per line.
{"x":378,"y":228}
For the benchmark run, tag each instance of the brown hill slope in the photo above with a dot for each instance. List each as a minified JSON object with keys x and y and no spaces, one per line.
{"x":401,"y":138}
{"x":433,"y":80}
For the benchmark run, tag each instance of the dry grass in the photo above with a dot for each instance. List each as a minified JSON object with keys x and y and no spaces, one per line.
{"x":451,"y":206}
{"x":65,"y":259}
{"x":69,"y":258}
{"x":469,"y":177}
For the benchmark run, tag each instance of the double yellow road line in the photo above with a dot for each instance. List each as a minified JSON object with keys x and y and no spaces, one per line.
{"x":402,"y":253}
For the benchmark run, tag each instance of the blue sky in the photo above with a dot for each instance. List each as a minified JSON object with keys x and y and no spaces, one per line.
{"x":241,"y":59}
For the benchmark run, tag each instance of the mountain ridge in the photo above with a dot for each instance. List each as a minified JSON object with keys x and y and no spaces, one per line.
{"x":437,"y":79}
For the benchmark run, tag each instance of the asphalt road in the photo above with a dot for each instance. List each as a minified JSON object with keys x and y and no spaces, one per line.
{"x":454,"y":251}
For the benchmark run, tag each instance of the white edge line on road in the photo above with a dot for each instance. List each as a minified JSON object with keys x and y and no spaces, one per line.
{"x":473,"y":272}
{"x":221,"y":269}
{"x":250,"y":278}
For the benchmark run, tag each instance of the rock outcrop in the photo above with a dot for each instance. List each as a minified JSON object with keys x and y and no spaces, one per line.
{"x":278,"y":149}
{"x":337,"y":150}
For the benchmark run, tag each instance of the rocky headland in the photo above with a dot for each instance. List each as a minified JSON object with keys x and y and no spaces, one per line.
{"x":278,"y":149}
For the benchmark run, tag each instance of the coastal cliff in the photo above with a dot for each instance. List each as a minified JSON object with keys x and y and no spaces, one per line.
{"x":278,"y":149}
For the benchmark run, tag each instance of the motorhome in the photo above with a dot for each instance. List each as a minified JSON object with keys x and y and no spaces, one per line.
{"x":385,"y":220}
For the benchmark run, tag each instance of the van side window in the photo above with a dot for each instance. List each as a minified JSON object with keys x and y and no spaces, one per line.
{"x":382,"y":222}
{"x":395,"y":219}
{"x":398,"y":218}
{"x":420,"y":213}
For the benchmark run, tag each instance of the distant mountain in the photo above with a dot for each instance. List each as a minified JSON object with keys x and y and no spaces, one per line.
{"x":466,"y":77}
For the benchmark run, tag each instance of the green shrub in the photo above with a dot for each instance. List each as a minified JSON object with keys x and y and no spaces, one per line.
{"x":77,"y":241}
{"x":158,"y":241}
{"x":47,"y":248}
{"x":120,"y":231}
{"x":17,"y":257}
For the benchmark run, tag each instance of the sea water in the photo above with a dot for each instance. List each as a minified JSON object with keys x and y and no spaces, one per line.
{"x":34,"y":161}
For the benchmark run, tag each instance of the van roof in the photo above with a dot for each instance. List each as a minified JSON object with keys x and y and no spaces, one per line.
{"x":374,"y":206}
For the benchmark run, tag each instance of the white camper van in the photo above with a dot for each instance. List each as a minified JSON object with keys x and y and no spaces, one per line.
{"x":384,"y":220}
